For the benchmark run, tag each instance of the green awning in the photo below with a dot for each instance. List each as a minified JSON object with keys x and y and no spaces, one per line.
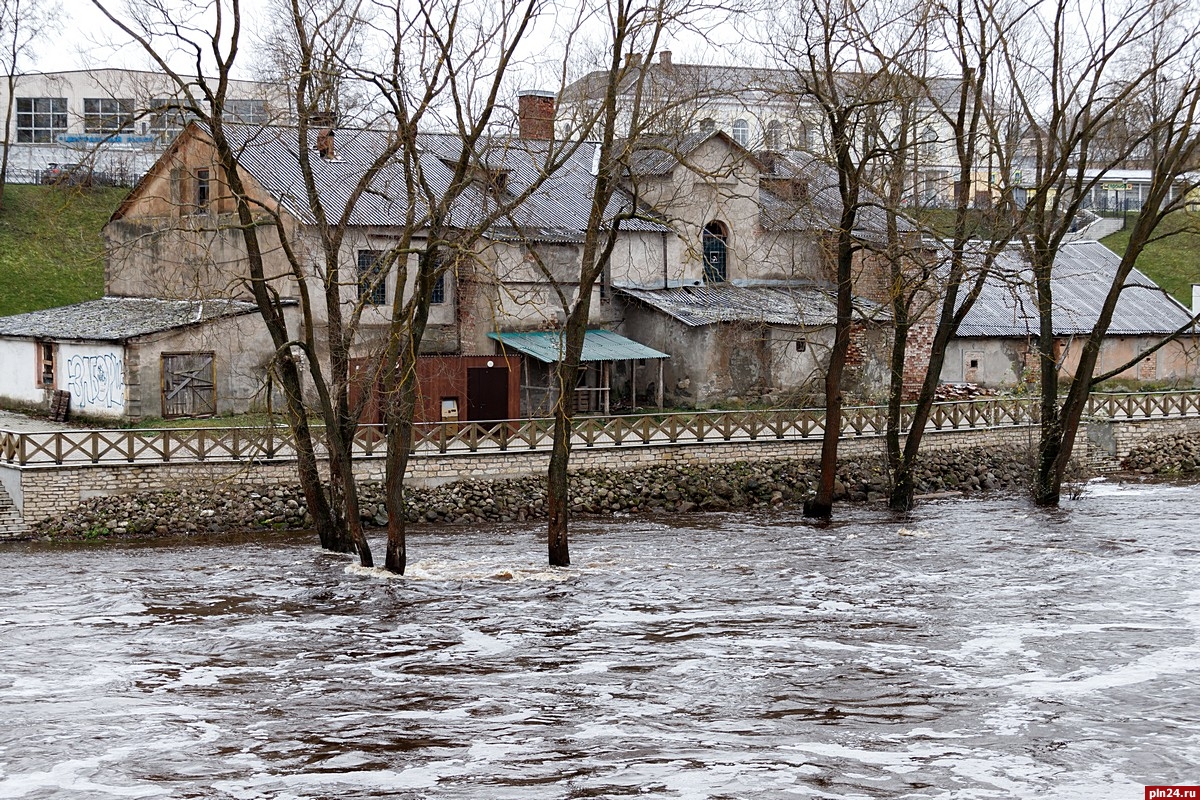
{"x":546,"y":346}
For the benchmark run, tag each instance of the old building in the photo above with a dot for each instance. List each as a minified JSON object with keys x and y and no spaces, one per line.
{"x":125,"y":357}
{"x":711,"y":215}
{"x":996,"y":344}
{"x":772,"y":109}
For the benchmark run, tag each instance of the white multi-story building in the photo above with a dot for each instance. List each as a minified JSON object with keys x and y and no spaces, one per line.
{"x":766,"y":109}
{"x":115,"y":121}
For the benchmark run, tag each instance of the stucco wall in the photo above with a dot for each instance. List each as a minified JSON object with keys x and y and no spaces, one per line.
{"x":1003,"y":362}
{"x":19,"y":372}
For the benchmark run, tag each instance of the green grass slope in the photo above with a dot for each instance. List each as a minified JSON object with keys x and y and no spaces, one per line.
{"x":51,"y":250}
{"x":1173,"y":259}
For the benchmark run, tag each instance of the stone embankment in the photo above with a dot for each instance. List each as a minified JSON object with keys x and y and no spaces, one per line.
{"x":665,"y":489}
{"x":1165,"y":455}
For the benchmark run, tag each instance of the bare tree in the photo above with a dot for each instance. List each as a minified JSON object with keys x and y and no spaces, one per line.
{"x":1070,"y":78}
{"x":625,"y":112}
{"x":963,"y":105}
{"x":836,"y":67}
{"x":22,"y":24}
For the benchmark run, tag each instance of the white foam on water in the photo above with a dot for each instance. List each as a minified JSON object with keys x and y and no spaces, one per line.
{"x":435,"y":571}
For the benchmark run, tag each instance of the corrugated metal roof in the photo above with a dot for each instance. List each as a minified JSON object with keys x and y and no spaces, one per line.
{"x":724,"y":302}
{"x":547,"y":346}
{"x":1083,"y":272}
{"x":115,"y":319}
{"x":819,"y":205}
{"x":559,"y":207}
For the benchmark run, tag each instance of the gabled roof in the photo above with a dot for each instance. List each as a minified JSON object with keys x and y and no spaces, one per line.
{"x":659,"y":155}
{"x":820,"y":207}
{"x":558,"y":208}
{"x":771,"y":305}
{"x":1083,"y":272}
{"x":115,"y":319}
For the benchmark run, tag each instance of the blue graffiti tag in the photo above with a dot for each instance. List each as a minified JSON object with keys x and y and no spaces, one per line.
{"x":96,"y":381}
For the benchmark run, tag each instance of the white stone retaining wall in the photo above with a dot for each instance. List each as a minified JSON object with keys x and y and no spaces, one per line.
{"x":52,"y":490}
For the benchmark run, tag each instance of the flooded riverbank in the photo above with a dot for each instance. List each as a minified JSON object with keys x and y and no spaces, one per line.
{"x":977,"y":649}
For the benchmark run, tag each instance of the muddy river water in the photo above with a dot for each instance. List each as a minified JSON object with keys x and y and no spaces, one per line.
{"x":976,"y":649}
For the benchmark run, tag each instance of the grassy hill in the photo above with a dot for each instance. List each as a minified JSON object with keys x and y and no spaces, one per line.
{"x":1173,"y":262}
{"x":51,"y":250}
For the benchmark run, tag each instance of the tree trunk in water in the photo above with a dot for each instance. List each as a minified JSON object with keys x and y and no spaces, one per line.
{"x":343,"y":466}
{"x":396,"y":557}
{"x":558,"y":488}
{"x":821,"y":506}
{"x":330,"y":532}
{"x":401,"y":407}
{"x":557,"y":482}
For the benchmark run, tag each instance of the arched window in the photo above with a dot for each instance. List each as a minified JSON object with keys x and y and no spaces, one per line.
{"x":929,"y":142}
{"x":715,"y":245}
{"x":774,"y":135}
{"x":741,"y":132}
{"x":708,"y":125}
{"x":802,"y":136}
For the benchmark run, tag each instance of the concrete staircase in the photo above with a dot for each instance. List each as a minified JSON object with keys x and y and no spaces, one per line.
{"x":1103,"y":226}
{"x":12,"y":524}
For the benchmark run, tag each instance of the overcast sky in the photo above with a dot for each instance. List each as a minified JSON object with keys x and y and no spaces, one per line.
{"x":85,"y":39}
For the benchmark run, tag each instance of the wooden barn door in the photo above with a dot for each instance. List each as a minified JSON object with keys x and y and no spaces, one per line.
{"x":188,"y":385}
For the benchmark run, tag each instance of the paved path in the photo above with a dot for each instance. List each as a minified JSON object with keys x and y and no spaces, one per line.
{"x":12,"y":421}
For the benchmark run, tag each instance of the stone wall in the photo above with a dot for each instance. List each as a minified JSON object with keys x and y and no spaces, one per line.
{"x":49,"y":491}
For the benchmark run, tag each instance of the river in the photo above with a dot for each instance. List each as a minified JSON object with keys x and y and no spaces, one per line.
{"x":976,"y":649}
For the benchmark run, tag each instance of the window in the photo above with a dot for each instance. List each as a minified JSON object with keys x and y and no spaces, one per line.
{"x":203,"y":191}
{"x":372,"y":280}
{"x":106,"y":114}
{"x":41,"y":119}
{"x":45,"y":364}
{"x":714,"y":242}
{"x":929,"y":142}
{"x":774,"y":135}
{"x":741,"y":132}
{"x":438,"y":296}
{"x":801,"y":345}
{"x":167,"y":118}
{"x":250,"y":112}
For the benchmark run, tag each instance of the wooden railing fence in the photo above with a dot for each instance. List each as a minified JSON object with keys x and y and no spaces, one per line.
{"x":190,"y":445}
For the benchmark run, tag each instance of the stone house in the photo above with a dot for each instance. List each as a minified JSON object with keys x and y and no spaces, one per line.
{"x":132,"y":357}
{"x":710,"y":214}
{"x":996,"y":344}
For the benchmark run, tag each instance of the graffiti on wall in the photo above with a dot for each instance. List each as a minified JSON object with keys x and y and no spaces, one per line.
{"x":96,"y":381}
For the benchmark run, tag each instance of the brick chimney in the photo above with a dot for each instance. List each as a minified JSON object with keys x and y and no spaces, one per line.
{"x":535,"y":114}
{"x":664,"y":58}
{"x":325,"y":144}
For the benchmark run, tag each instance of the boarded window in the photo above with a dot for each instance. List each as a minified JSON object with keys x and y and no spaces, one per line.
{"x":45,"y":364}
{"x":188,"y":385}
